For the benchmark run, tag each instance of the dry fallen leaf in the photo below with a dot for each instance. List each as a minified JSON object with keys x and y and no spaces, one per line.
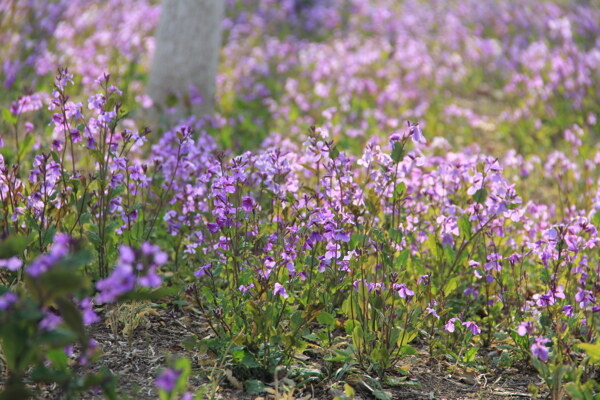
{"x":233,"y":380}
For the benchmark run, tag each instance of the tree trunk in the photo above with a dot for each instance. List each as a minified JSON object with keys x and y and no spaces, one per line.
{"x":185,"y":61}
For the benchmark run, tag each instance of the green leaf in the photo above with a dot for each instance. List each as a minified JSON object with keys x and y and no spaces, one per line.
{"x":148,"y":294}
{"x":254,"y":387}
{"x":57,"y":338}
{"x":326,"y":318}
{"x":405,"y":338}
{"x":399,"y":190}
{"x":592,"y":350}
{"x":397,"y":152}
{"x":408,"y":350}
{"x":26,"y":145}
{"x":382,"y":394}
{"x":55,"y":157}
{"x":244,"y":358}
{"x":58,"y":358}
{"x":396,"y":235}
{"x":44,"y":374}
{"x":470,"y":354}
{"x":451,"y":285}
{"x":596,"y":219}
{"x":358,"y":337}
{"x":296,"y":320}
{"x":190,"y":343}
{"x":48,"y":236}
{"x":183,"y":365}
{"x":13,"y":246}
{"x":15,"y":391}
{"x":403,"y":258}
{"x":17,"y":352}
{"x":106,"y":380}
{"x":72,"y":317}
{"x":576,"y":393}
{"x":8,"y":117}
{"x":357,"y":240}
{"x":55,"y":283}
{"x":334,"y":153}
{"x":480,"y":196}
{"x":94,"y":238}
{"x":465,"y":226}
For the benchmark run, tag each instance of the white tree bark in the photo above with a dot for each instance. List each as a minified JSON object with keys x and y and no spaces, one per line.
{"x":188,"y":40}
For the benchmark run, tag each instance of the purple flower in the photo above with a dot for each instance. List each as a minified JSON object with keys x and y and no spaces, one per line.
{"x":12,"y":264}
{"x":73,"y":110}
{"x":333,"y":251}
{"x":89,"y":352}
{"x":8,"y":299}
{"x":87,"y":311}
{"x":339,"y":234}
{"x":212,"y":227}
{"x":568,"y":311}
{"x":96,"y":102}
{"x":63,"y":78}
{"x":431,"y":311}
{"x":76,"y":136}
{"x":539,"y":349}
{"x":151,"y":279}
{"x":130,"y":271}
{"x":584,"y":297}
{"x":247,"y":203}
{"x":244,"y":289}
{"x":416,"y":134}
{"x":203,"y":270}
{"x":395,"y":137}
{"x":50,"y":321}
{"x":279,"y":290}
{"x":525,"y":328}
{"x":471,"y":291}
{"x":472,"y":326}
{"x":159,"y":257}
{"x":403,"y":291}
{"x":313,"y":239}
{"x":121,"y":281}
{"x":167,"y":380}
{"x":450,"y":324}
{"x":549,"y":298}
{"x":269,"y":262}
{"x":59,"y":249}
{"x":551,"y":234}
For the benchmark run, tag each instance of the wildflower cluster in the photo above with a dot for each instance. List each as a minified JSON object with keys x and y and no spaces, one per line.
{"x":346,"y":233}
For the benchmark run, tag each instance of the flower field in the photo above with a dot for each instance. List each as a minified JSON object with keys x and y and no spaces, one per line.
{"x":388,"y":195}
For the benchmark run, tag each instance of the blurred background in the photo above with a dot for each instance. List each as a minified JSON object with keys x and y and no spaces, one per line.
{"x":501,"y":74}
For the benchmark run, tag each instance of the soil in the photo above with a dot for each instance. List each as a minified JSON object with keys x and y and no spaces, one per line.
{"x":138,"y":359}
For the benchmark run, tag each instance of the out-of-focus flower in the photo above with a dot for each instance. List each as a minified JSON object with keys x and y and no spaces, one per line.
{"x":450,"y":327}
{"x":525,"y":328}
{"x":59,"y":249}
{"x":168,"y":379}
{"x":245,"y":289}
{"x":12,"y":264}
{"x":279,"y":290}
{"x":8,"y":299}
{"x":403,"y":291}
{"x":203,"y":270}
{"x":539,"y":349}
{"x":131,"y":271}
{"x":472,"y":326}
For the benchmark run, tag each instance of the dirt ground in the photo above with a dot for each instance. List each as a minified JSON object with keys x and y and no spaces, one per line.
{"x":139,"y":355}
